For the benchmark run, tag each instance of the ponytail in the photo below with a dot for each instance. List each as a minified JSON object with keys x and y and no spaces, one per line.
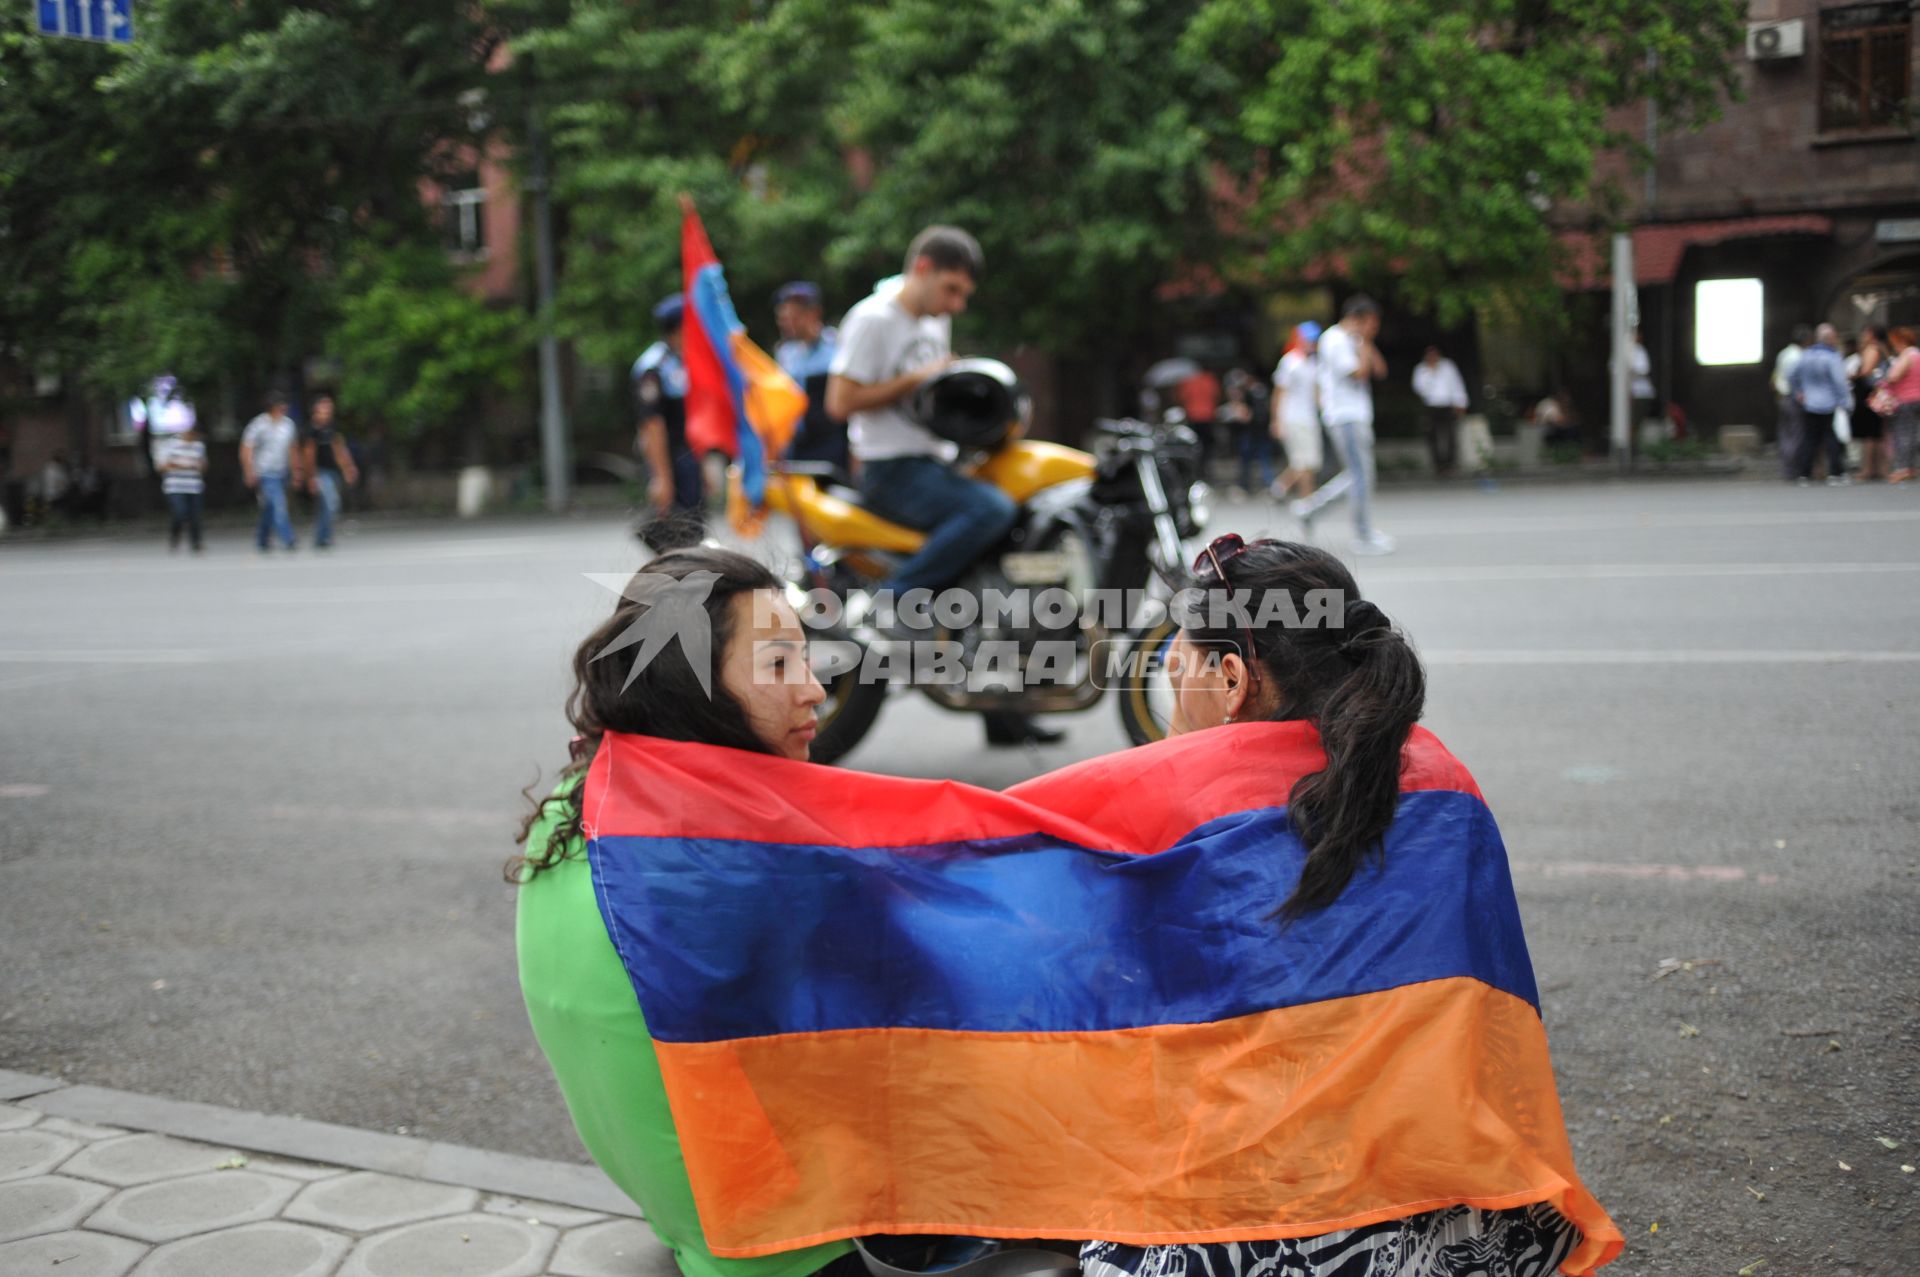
{"x":1357,"y":680}
{"x":1342,"y":812}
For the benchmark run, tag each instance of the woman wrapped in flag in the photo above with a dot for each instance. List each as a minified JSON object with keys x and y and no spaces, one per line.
{"x":1254,"y":998}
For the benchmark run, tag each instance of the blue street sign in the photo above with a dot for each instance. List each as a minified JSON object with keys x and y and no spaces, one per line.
{"x":108,"y":20}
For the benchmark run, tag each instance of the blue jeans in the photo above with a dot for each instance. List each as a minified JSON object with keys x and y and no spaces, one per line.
{"x":1353,"y":440}
{"x":328,"y":503}
{"x":962,"y":517}
{"x":273,"y":511}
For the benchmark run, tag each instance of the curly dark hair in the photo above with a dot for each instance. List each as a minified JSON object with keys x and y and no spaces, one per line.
{"x":664,"y":699}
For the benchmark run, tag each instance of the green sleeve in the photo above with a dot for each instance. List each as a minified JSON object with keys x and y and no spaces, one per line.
{"x":588,"y":1022}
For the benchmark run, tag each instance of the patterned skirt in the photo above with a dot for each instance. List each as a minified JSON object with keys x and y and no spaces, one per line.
{"x":1460,"y":1241}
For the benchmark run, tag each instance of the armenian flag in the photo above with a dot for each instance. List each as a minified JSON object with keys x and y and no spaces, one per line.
{"x":739,"y":401}
{"x":898,"y":1006}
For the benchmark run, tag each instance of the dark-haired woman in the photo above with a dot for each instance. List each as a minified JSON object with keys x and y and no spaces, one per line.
{"x":1357,"y":684}
{"x":1865,"y":369}
{"x":690,"y":623}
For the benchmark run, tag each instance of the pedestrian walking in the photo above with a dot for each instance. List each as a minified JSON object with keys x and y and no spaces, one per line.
{"x":806,"y":350}
{"x":268,"y":461}
{"x":1443,"y":391}
{"x":1296,"y":412}
{"x":182,"y":462}
{"x":1788,"y":425}
{"x":327,"y":462}
{"x":1900,"y":390}
{"x":1819,"y":386}
{"x":1349,"y":365}
{"x":1245,"y":412}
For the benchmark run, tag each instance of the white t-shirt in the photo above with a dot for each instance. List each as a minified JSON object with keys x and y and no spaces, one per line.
{"x":1642,"y":369}
{"x":1440,"y":386}
{"x":1343,"y":397}
{"x":272,"y":443}
{"x":1297,"y":378}
{"x":879,"y":341}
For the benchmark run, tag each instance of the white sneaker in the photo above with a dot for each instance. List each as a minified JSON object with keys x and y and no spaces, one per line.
{"x":1378,"y":543}
{"x":1304,"y":512}
{"x":1839,"y":481}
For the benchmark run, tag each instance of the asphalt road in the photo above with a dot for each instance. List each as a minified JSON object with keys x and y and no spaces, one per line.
{"x":253,"y":812}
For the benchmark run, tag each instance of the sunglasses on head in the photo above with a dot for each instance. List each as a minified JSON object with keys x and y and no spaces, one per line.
{"x":1221,"y":551}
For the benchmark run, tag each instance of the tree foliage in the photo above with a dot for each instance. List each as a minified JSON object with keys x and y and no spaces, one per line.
{"x":204,"y":200}
{"x":197,"y":192}
{"x":416,"y":349}
{"x":1441,"y":143}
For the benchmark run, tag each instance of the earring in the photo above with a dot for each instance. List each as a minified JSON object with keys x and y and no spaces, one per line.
{"x":1228,"y":719}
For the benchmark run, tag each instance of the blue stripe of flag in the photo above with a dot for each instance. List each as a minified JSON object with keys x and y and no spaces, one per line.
{"x":729,"y":939}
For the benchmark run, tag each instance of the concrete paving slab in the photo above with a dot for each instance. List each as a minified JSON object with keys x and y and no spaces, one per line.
{"x":367,"y":1201}
{"x":71,"y":1254}
{"x":13,"y":1117}
{"x":565,"y":1183}
{"x":46,"y":1204}
{"x":617,"y":1248}
{"x":24,"y":1154}
{"x":475,"y":1245}
{"x":142,"y":1159}
{"x":536,"y":1212}
{"x":271,"y":1249}
{"x":176,"y":1208}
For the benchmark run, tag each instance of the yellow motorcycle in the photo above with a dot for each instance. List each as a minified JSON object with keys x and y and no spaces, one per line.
{"x":1069,"y":606}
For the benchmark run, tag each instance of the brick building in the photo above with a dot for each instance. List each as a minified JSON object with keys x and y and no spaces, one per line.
{"x":1801,"y":204}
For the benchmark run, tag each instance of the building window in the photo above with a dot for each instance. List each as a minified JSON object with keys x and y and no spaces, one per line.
{"x":464,"y":216}
{"x":1727,"y":318}
{"x":1865,"y":67}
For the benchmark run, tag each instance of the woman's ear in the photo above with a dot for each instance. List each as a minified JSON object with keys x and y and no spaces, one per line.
{"x":1235,"y":696}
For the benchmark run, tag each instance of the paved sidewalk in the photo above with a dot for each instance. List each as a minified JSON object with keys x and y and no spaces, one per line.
{"x":99,"y":1183}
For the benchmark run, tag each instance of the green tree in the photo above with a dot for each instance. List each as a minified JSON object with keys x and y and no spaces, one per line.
{"x":1060,"y":132}
{"x":187,"y":202}
{"x":641,"y":101}
{"x":417,"y":350}
{"x":1441,"y":143}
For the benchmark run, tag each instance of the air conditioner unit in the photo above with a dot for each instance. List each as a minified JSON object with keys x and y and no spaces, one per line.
{"x":1775,"y":41}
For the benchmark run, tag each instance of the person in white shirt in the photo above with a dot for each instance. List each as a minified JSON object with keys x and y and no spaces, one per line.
{"x":889,"y":345}
{"x":1437,"y":380}
{"x":1790,"y":422}
{"x":267,"y":459}
{"x":1349,"y":365}
{"x":1296,"y":412}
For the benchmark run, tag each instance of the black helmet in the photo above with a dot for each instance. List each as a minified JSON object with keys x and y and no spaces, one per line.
{"x":975,"y":403}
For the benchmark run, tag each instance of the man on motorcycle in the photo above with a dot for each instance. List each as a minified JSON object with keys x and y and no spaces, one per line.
{"x":890,"y":344}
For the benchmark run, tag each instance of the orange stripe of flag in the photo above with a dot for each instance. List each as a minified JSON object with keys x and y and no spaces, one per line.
{"x":1286,"y":1123}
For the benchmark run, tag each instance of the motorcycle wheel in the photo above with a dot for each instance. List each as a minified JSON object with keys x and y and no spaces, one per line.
{"x":846,"y":716}
{"x":1146,"y":695}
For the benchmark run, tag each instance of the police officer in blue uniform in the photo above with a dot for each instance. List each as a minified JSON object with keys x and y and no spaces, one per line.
{"x":806,"y":352}
{"x":675,"y":491}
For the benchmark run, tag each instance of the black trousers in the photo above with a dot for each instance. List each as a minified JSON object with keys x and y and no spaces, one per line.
{"x":1442,"y":433}
{"x":1817,"y":432}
